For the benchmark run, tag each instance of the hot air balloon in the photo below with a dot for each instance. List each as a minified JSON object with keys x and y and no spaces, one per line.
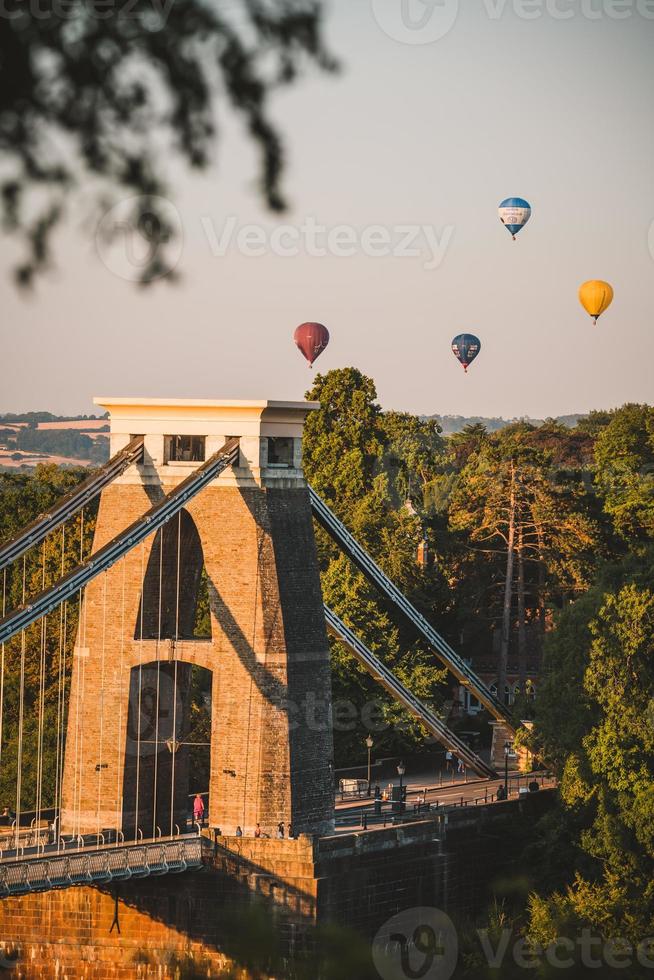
{"x":595,"y":296}
{"x":514,"y":214}
{"x":465,"y":347}
{"x":311,"y":339}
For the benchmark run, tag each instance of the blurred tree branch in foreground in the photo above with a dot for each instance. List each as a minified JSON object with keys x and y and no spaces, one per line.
{"x":99,"y":93}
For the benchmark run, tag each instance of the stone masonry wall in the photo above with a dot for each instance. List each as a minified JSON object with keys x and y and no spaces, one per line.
{"x":269,"y":655}
{"x":148,"y":928}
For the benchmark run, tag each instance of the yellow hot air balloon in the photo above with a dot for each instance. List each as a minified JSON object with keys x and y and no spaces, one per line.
{"x":595,"y":296}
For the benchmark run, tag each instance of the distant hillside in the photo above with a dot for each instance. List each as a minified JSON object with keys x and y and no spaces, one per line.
{"x":456,"y":423}
{"x":34,"y":438}
{"x":34,"y":418}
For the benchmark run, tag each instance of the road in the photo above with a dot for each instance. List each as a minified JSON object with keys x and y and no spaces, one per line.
{"x":423,"y":794}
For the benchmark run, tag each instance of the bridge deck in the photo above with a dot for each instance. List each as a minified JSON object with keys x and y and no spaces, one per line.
{"x":98,"y":865}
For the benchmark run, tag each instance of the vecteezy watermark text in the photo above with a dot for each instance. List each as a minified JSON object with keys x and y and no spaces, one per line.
{"x":339,"y":241}
{"x":423,"y":942}
{"x":130,"y":233}
{"x":153,"y":14}
{"x":426,"y":21}
{"x":567,"y":9}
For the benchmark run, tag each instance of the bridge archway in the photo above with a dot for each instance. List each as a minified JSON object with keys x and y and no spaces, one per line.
{"x":167,"y":747}
{"x":172,"y":584}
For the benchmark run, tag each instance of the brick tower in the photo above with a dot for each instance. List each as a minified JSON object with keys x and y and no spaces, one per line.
{"x":249,"y":537}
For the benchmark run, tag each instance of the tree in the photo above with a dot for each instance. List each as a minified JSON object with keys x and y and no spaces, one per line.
{"x":609,"y":774}
{"x":102,"y":93}
{"x":344,"y":442}
{"x":624,"y":455}
{"x":414,"y":447}
{"x":534,"y":536}
{"x":35,"y":667}
{"x":594,"y":422}
{"x":466,"y":443}
{"x":363,"y":461}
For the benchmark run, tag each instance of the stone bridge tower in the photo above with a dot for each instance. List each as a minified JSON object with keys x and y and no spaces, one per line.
{"x":248,"y":540}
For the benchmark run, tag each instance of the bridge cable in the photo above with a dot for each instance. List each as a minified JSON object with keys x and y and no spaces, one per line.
{"x":369,"y":567}
{"x":127,"y":539}
{"x":257,"y":581}
{"x":2,"y":665}
{"x":102,"y":685}
{"x":139,"y":699}
{"x":81,"y":688}
{"x":41,"y":707}
{"x":83,"y":658}
{"x":57,"y":718}
{"x":119,"y":740}
{"x":427,"y":716}
{"x":61,"y":683}
{"x":160,"y":536}
{"x":21,"y":709}
{"x":69,"y":505}
{"x":43,"y":605}
{"x":174,"y":731}
{"x":78,"y":681}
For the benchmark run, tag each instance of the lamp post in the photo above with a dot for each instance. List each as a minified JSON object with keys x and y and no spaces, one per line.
{"x":401,"y":769}
{"x":369,"y":744}
{"x":507,"y":750}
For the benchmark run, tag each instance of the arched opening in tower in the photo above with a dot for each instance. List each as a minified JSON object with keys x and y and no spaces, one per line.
{"x":174,"y":601}
{"x":168,"y":755}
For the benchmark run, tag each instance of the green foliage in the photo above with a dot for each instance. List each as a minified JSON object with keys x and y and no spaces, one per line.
{"x":366,"y":463}
{"x":343,"y":442}
{"x":202,"y":625}
{"x":63,"y":442}
{"x":624,"y":453}
{"x":585,"y":537}
{"x":596,"y":721}
{"x":200,"y":730}
{"x":34,"y":418}
{"x":585,"y":592}
{"x":594,"y":718}
{"x":44,"y":658}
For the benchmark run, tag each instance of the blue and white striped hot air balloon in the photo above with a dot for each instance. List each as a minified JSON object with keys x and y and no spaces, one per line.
{"x":514,"y":214}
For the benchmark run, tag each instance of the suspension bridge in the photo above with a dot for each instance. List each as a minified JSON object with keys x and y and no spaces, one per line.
{"x":193,"y":490}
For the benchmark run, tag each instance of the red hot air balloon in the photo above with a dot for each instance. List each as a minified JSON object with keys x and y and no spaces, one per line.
{"x":311,"y":339}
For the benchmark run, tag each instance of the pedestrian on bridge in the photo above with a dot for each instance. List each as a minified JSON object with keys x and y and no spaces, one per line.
{"x":198,"y":809}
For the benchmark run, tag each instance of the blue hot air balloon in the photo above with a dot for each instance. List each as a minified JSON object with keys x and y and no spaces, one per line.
{"x":465,"y":348}
{"x":514,"y":214}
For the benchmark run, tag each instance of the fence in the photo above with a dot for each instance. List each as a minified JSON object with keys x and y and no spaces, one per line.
{"x":422,"y":802}
{"x":109,"y":863}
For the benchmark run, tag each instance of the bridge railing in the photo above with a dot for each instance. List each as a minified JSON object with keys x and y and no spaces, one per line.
{"x":423,"y":802}
{"x":96,"y":866}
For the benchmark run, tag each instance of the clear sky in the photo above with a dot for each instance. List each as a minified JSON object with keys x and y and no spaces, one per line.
{"x":515,"y":99}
